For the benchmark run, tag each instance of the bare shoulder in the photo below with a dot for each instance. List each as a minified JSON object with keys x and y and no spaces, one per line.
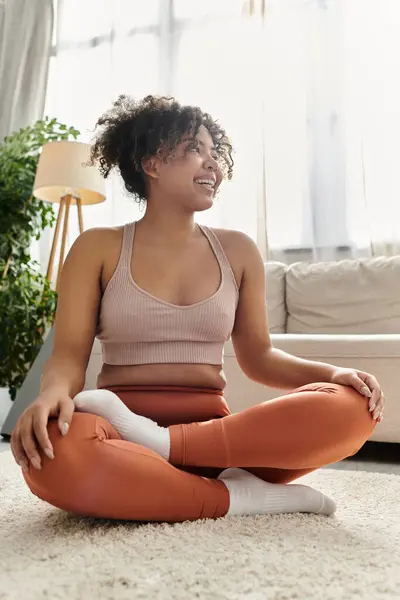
{"x":96,"y":250}
{"x":95,"y":235}
{"x":240,"y":249}
{"x":98,"y":241}
{"x":236,"y":242}
{"x":106,"y":244}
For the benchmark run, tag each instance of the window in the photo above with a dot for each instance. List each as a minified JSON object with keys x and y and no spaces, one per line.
{"x":309,"y":97}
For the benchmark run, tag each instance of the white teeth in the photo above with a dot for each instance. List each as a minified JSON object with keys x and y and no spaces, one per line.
{"x":205,"y":182}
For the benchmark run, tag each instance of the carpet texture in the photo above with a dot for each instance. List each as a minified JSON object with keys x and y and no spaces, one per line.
{"x":48,"y":553}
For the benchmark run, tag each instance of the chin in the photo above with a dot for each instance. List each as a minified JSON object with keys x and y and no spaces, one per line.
{"x":196,"y":204}
{"x":204,"y":204}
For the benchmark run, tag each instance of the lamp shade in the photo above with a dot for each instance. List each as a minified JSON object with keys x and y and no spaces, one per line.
{"x":61,"y":171}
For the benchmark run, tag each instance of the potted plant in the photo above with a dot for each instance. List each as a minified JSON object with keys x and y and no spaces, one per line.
{"x":27,"y":302}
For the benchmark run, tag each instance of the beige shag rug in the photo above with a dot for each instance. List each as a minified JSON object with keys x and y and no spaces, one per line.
{"x":46,"y":553}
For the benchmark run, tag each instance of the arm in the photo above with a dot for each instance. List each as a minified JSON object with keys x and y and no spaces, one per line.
{"x":76,"y":316}
{"x":63,"y":375}
{"x":256,"y":356}
{"x":286,"y":371}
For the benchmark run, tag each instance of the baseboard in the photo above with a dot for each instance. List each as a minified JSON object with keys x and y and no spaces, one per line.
{"x":386,"y":452}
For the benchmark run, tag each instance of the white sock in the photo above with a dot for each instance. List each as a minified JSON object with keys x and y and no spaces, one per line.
{"x":131,"y":427}
{"x":250,"y":495}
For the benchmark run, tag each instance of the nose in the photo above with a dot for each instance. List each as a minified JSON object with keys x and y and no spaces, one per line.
{"x":211,"y":164}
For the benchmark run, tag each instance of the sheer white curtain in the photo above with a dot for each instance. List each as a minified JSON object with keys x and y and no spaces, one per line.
{"x":308,"y":91}
{"x":332,"y":124}
{"x":372,"y":44}
{"x":25,"y":42}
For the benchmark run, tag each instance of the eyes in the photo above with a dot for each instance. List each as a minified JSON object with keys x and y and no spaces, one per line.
{"x":194,"y":147}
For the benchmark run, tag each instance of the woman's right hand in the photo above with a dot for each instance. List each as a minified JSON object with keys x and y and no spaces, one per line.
{"x":31,"y":428}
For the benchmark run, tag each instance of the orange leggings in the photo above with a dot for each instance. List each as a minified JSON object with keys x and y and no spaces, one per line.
{"x":96,"y":473}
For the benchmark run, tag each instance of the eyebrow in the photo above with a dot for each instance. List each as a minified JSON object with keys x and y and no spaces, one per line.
{"x":199,"y":142}
{"x":203,"y":144}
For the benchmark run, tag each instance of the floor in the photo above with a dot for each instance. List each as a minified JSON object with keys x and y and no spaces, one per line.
{"x":376,"y":457}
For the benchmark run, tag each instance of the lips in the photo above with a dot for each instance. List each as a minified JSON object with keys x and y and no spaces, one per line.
{"x":207,"y":182}
{"x":208,"y":186}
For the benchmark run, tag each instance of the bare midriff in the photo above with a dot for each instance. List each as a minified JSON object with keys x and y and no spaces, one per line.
{"x":187,"y":375}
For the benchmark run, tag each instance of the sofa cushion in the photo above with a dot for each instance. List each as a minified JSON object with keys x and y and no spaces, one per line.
{"x":348,"y":296}
{"x":275,"y":274}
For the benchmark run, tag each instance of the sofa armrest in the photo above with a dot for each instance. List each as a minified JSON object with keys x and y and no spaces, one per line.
{"x":375,"y":354}
{"x":316,"y":346}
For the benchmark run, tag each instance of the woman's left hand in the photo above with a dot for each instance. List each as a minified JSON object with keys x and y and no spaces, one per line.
{"x":364,"y":383}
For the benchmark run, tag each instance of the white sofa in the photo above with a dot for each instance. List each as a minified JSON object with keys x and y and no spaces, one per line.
{"x":345,"y":313}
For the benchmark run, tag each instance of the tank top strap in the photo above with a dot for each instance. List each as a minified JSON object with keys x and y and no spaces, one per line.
{"x":127,"y":244}
{"x":219,"y":252}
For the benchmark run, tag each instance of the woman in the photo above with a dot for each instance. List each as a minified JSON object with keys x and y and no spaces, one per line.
{"x":156,"y":441}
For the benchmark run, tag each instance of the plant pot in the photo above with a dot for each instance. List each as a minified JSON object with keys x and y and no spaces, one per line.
{"x":5,"y":404}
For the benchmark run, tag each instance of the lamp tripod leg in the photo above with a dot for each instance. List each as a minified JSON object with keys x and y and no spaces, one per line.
{"x":55,"y":239}
{"x":80,"y":218}
{"x":63,"y":240}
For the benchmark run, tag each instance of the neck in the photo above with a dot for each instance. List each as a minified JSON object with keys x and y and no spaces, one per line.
{"x":168,"y":226}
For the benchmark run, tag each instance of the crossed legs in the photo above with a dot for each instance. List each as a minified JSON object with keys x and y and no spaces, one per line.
{"x":97,"y":473}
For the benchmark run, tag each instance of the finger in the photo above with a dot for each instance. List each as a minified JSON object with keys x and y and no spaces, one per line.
{"x":40,"y":420}
{"x":65,"y":418}
{"x":29,"y":444}
{"x":381,"y":402}
{"x":379,"y":407}
{"x":375,"y":388}
{"x":376,"y":414}
{"x":18,"y":450}
{"x":357,"y":383}
{"x":364,"y":387}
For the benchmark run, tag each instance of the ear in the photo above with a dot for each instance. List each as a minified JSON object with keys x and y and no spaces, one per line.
{"x":150,"y":166}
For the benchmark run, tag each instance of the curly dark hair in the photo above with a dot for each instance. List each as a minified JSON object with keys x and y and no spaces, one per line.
{"x":133,"y":130}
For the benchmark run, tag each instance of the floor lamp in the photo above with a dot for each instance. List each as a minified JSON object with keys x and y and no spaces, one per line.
{"x":63,"y":178}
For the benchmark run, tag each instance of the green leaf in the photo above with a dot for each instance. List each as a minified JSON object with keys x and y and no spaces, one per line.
{"x":27,"y":302}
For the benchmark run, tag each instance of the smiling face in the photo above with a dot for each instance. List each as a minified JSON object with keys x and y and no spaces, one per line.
{"x":190,"y":177}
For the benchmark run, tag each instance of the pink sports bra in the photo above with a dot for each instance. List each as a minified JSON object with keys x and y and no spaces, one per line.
{"x":136,"y":328}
